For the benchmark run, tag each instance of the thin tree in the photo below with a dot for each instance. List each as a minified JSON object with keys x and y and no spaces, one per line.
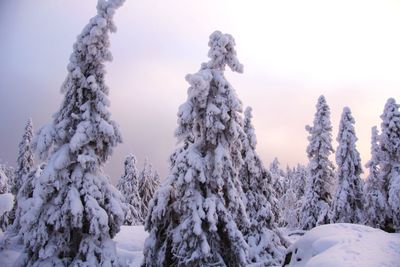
{"x":348,"y":203}
{"x":76,"y":210}
{"x":195,"y":216}
{"x":317,"y":199}
{"x":389,"y":160}
{"x":128,"y":186}
{"x":376,"y":206}
{"x":147,"y":185}
{"x":262,"y":235}
{"x":25,"y":161}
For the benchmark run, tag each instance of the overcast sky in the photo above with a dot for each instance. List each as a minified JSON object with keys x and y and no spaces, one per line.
{"x":292,"y":51}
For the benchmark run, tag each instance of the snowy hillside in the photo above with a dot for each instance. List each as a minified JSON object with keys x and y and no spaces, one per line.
{"x":342,"y":245}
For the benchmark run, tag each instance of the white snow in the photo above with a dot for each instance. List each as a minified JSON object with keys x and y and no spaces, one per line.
{"x":345,"y":245}
{"x":333,"y":245}
{"x":130,"y":241}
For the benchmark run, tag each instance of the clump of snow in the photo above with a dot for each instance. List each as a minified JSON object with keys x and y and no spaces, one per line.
{"x":338,"y":245}
{"x":6,"y":202}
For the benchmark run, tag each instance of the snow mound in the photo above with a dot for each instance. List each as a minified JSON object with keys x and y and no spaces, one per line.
{"x":130,"y":242}
{"x":342,"y":245}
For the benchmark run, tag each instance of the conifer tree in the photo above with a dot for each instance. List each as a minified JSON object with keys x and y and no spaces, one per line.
{"x":25,"y":200}
{"x":278,"y":179}
{"x":376,"y":206}
{"x":262,"y":236}
{"x":195,"y":216}
{"x":317,"y":198}
{"x":389,"y":160}
{"x":128,"y":186}
{"x":25,"y":164}
{"x":147,"y":185}
{"x":347,"y":205}
{"x":25,"y":161}
{"x":76,"y":210}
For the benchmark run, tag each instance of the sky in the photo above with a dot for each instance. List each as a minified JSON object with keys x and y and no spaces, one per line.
{"x":292,"y":52}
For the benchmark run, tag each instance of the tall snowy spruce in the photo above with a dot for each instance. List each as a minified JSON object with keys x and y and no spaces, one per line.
{"x":376,"y":205}
{"x":262,"y":235}
{"x":148,"y":184}
{"x":76,"y":210}
{"x":25,"y":161}
{"x":348,"y":202}
{"x":195,"y":216}
{"x":128,"y":185}
{"x":317,"y":198}
{"x":25,"y":164}
{"x":389,"y":159}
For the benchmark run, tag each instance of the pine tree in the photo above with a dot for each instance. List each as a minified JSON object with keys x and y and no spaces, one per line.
{"x":389,"y":160}
{"x":25,"y":201}
{"x":3,"y":182}
{"x":347,"y":205}
{"x":278,"y":178}
{"x":25,"y":161}
{"x":76,"y":210}
{"x":147,"y":185}
{"x":195,"y":216}
{"x":317,"y":199}
{"x":128,"y":186}
{"x":25,"y":164}
{"x":262,"y":236}
{"x":4,"y":188}
{"x":376,"y":206}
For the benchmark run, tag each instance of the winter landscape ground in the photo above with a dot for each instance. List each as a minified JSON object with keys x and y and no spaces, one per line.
{"x":219,"y":204}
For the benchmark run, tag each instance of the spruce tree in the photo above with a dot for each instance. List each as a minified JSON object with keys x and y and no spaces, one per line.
{"x":195,"y":216}
{"x":128,"y":186}
{"x":376,"y":206}
{"x":389,"y":160}
{"x":262,"y":236}
{"x":278,"y":178}
{"x":76,"y":210}
{"x":317,"y":198}
{"x":25,"y":162}
{"x":347,"y":205}
{"x":25,"y":201}
{"x":147,"y":185}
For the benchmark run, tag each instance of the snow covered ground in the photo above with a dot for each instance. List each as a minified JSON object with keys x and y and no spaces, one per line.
{"x":129,"y":240}
{"x":345,"y":245}
{"x":335,"y":245}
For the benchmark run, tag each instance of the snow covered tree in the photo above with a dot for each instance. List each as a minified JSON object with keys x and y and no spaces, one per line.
{"x":347,"y":205}
{"x":3,"y":182}
{"x":278,"y":178}
{"x":376,"y":206}
{"x":128,"y":186}
{"x":76,"y":210}
{"x":147,"y":185}
{"x":25,"y":161}
{"x":389,"y":159}
{"x":25,"y":201}
{"x":262,"y":236}
{"x":195,"y":216}
{"x":317,"y":198}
